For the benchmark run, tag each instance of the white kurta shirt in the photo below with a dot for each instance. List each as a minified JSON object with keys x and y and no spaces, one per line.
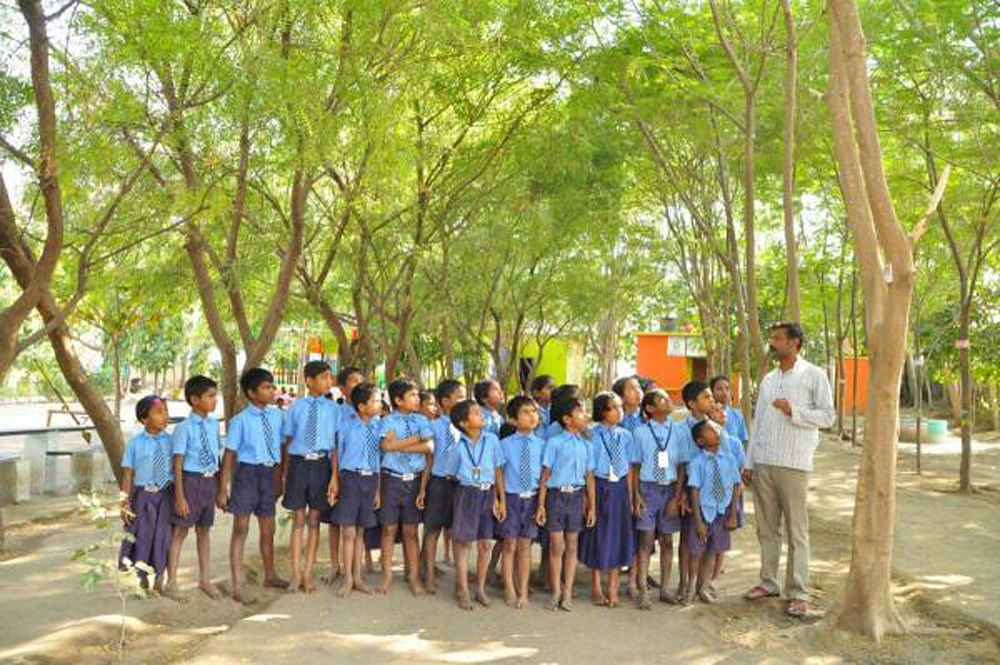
{"x":791,"y":441}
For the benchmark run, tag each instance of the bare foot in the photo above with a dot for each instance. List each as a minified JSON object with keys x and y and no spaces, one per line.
{"x":332,"y":576}
{"x":522,"y":602}
{"x":481,"y":598}
{"x":597,"y":597}
{"x":345,"y":587}
{"x":667,"y":597}
{"x":613,"y":601}
{"x":650,"y":582}
{"x":275,"y":582}
{"x":173,"y":593}
{"x":361,"y":587}
{"x":644,"y":603}
{"x":632,"y":592}
{"x":210,"y":590}
{"x":418,"y":589}
{"x":705,"y":596}
{"x":158,"y":586}
{"x":431,"y":588}
{"x":369,"y":567}
{"x":241,"y":596}
{"x":462,"y":597}
{"x":566,"y":605}
{"x":553,"y":603}
{"x":308,"y":585}
{"x":386,"y":584}
{"x":510,"y":598}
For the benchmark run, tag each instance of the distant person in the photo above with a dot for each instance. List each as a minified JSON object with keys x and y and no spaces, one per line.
{"x":489,"y":396}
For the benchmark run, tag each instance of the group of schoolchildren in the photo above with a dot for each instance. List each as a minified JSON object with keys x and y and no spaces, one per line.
{"x":602,"y":487}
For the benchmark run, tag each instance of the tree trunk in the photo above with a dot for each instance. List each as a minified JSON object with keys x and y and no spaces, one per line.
{"x":793,"y":298}
{"x":965,"y":415}
{"x":116,"y":370}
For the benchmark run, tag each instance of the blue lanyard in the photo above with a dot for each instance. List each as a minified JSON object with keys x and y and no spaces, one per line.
{"x":666,"y":439}
{"x":604,"y":442}
{"x":476,"y":464}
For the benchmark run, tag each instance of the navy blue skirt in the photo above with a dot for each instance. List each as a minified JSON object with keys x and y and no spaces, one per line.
{"x":150,"y":528}
{"x":611,"y":542}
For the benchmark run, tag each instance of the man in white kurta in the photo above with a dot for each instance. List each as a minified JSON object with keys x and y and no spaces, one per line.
{"x":794,"y":402}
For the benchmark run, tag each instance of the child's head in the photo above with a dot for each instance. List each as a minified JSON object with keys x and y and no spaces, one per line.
{"x":570,"y":413}
{"x":448,"y":393}
{"x":705,"y":436}
{"x":721,"y":390}
{"x":541,"y":388}
{"x":630,"y":392}
{"x":656,"y":405}
{"x":318,"y":377}
{"x":524,"y":412}
{"x":607,"y":409}
{"x":488,"y":394}
{"x":428,"y":405}
{"x":697,"y":398}
{"x":367,"y":400}
{"x":151,"y":411}
{"x":565,"y":391}
{"x":404,"y":395}
{"x":718,"y":414}
{"x":467,"y":415}
{"x":386,"y":407}
{"x":258,"y":385}
{"x":347,"y":379}
{"x":201,"y":393}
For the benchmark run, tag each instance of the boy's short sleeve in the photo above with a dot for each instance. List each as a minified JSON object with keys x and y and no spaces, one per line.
{"x":694,"y":473}
{"x":233,"y":434}
{"x":632,"y":450}
{"x":179,"y":438}
{"x":549,"y":453}
{"x":288,"y":422}
{"x":451,"y":463}
{"x":499,"y":459}
{"x":128,"y":458}
{"x":426,"y":432}
{"x":388,"y":424}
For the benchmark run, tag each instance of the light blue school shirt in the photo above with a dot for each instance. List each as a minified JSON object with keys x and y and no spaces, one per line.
{"x":734,"y":447}
{"x":297,"y":425}
{"x":553,"y":430}
{"x":358,"y":444}
{"x":445,"y":439}
{"x":255,"y":435}
{"x":631,"y":421}
{"x":404,"y":426}
{"x":700,"y":475}
{"x":612,"y":444}
{"x":492,"y":418}
{"x":544,"y":418}
{"x":736,"y":425}
{"x":484,"y":454}
{"x":518,"y":477}
{"x":197,"y":438}
{"x":568,"y":458}
{"x":144,"y":453}
{"x":653,"y":437}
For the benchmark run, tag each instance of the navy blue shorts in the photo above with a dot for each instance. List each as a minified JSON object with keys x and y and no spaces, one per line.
{"x":520,"y":522}
{"x":654,"y":513}
{"x":399,"y":500}
{"x":718,"y":537}
{"x":254,"y":490}
{"x":440,"y":506}
{"x":199,"y":492}
{"x":564,"y":511}
{"x":306,"y":482}
{"x":356,"y":505}
{"x":473,"y":514}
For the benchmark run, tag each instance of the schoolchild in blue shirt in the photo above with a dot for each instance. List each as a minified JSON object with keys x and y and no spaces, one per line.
{"x":147,"y":509}
{"x":348,"y":378}
{"x":308,"y":431}
{"x":253,"y":447}
{"x":629,"y":390}
{"x":566,"y":497}
{"x":489,"y":396}
{"x":441,"y":486}
{"x":541,"y":391}
{"x":719,"y":416}
{"x":735,"y":424}
{"x":699,"y":401}
{"x":196,"y":481}
{"x":477,"y":465}
{"x":354,"y":486}
{"x":406,"y":440}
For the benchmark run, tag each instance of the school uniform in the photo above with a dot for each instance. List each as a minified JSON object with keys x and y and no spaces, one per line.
{"x":660,"y":448}
{"x":631,"y":421}
{"x":311,"y":424}
{"x":358,"y":460}
{"x":197,"y":439}
{"x":553,"y":430}
{"x":568,"y":458}
{"x":544,"y":419}
{"x":736,"y":425}
{"x":439,"y":506}
{"x":735,"y":448}
{"x":400,"y":474}
{"x":522,"y":472}
{"x":255,"y":436}
{"x":611,"y":542}
{"x":493,"y":420}
{"x":474,"y":465}
{"x":715,"y":475}
{"x":149,"y":456}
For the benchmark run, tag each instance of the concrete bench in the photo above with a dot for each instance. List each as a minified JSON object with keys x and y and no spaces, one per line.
{"x":15,"y":480}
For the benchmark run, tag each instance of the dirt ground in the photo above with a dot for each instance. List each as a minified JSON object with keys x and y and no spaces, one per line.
{"x":945,"y":559}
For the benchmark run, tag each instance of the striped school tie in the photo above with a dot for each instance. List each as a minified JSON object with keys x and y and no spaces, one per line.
{"x":205,"y":456}
{"x":161,"y":470}
{"x":718,"y":489}
{"x":616,"y":451}
{"x":407,"y":433}
{"x":525,"y":465}
{"x":268,"y":436}
{"x":372,"y":448}
{"x":311,"y":425}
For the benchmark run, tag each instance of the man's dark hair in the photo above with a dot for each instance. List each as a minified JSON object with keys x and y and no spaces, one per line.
{"x":793,"y":330}
{"x":197,"y":386}
{"x":253,"y":378}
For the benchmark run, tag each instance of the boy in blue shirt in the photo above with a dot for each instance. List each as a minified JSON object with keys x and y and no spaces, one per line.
{"x":253,"y":446}
{"x":489,"y":396}
{"x":348,"y":378}
{"x":308,"y":433}
{"x":354,"y":486}
{"x":477,"y":465}
{"x":541,"y":391}
{"x":714,"y":479}
{"x":196,"y":468}
{"x":735,"y":423}
{"x":406,"y":440}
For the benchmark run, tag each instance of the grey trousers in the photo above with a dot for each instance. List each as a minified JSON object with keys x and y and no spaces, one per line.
{"x":781,"y":494}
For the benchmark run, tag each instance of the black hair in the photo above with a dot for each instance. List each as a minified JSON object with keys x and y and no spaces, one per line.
{"x":565,"y":391}
{"x":516,"y":403}
{"x":602,"y":404}
{"x":565,"y":407}
{"x":541,"y":381}
{"x":362,"y":393}
{"x":482,"y":389}
{"x":253,"y":378}
{"x":314,"y":368}
{"x":197,"y":386}
{"x":344,"y":374}
{"x":649,"y":399}
{"x":793,"y":330}
{"x":646,"y":383}
{"x":425,"y":396}
{"x":460,"y":412}
{"x":691,"y":390}
{"x":446,"y":389}
{"x":145,"y":405}
{"x":619,"y":385}
{"x":698,"y":428}
{"x":400,"y":387}
{"x":506,"y":430}
{"x":715,"y":380}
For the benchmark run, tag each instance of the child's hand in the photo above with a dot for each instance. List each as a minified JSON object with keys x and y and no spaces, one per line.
{"x":732,"y":521}
{"x":222,"y":498}
{"x":747,"y":476}
{"x":332,"y":492}
{"x":377,"y":503}
{"x":279,"y":484}
{"x":127,"y":514}
{"x":638,"y":506}
{"x":673,"y":508}
{"x":702,"y":531}
{"x":181,"y":506}
{"x":420,"y":499}
{"x":685,"y":504}
{"x":540,"y":516}
{"x":591,"y":517}
{"x":499,"y":510}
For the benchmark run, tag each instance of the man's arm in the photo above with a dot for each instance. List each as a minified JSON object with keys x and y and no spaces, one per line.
{"x":820,"y":413}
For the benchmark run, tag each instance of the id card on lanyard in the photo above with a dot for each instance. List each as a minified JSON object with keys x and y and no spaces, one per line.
{"x":477,"y":465}
{"x":612,"y":473}
{"x":662,"y":457}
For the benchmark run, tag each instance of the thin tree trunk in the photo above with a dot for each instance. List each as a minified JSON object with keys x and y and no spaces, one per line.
{"x":793,"y":297}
